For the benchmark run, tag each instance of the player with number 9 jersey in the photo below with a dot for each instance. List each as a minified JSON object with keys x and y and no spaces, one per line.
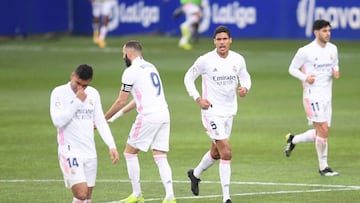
{"x":144,"y":82}
{"x":151,"y":129}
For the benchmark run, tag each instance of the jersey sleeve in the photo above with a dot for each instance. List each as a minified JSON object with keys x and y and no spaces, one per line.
{"x":61,"y":113}
{"x":336,"y":60}
{"x":101,"y":125}
{"x":190,"y":76}
{"x":244,"y":76}
{"x":297,"y":62}
{"x":129,"y":76}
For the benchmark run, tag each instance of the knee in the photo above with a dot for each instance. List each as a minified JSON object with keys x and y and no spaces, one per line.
{"x":323,"y":131}
{"x":81,"y":195}
{"x":226,"y":154}
{"x":215,"y":155}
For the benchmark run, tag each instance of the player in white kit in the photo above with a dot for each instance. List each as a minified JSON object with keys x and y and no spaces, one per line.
{"x":189,"y":28}
{"x":224,"y":76}
{"x":315,"y":64}
{"x":151,"y":128}
{"x":75,"y":110}
{"x":101,"y":11}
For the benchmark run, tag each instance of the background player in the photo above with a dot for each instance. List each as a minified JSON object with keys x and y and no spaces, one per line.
{"x":189,"y":28}
{"x":101,"y":11}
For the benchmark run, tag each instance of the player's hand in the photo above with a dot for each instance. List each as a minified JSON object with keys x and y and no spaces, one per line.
{"x":242,"y":91}
{"x":203,"y":103}
{"x":80,"y":93}
{"x":114,"y":155}
{"x":310,"y":79}
{"x":336,"y":74}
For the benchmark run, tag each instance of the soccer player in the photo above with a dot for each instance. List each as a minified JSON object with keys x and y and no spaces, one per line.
{"x":224,"y":76}
{"x":315,"y":64}
{"x":189,"y":28}
{"x":75,"y":110}
{"x":151,"y":128}
{"x":101,"y":11}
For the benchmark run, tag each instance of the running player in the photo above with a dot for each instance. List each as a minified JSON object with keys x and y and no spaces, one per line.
{"x":222,"y":72}
{"x":318,"y":62}
{"x":189,"y":28}
{"x":101,"y":11}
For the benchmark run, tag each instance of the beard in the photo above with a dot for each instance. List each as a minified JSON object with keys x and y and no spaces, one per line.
{"x":127,"y":61}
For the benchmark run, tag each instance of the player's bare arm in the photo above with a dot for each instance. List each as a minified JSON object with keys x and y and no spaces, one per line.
{"x":118,"y":104}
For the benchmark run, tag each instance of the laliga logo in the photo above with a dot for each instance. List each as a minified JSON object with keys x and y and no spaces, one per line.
{"x":339,"y":17}
{"x":230,"y":13}
{"x":135,"y":13}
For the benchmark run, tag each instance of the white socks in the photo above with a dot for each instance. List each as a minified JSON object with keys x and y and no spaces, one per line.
{"x":321,"y":146}
{"x":133,"y":168}
{"x":165,"y":175}
{"x":308,"y":136}
{"x":204,"y":164}
{"x":225,"y":175}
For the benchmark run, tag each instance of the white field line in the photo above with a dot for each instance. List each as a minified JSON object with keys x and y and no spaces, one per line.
{"x":355,"y":187}
{"x":119,"y":50}
{"x":326,"y":187}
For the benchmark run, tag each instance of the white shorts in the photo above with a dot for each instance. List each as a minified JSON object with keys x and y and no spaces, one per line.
{"x":192,"y":12}
{"x":102,"y":8}
{"x":317,"y":110}
{"x":78,"y":170}
{"x":218,"y":128}
{"x":144,"y":135}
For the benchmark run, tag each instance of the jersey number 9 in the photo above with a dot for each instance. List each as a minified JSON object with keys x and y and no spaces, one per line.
{"x":156,"y":82}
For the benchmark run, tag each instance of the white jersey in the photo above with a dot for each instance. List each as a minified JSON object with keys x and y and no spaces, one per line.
{"x":103,"y":7}
{"x":220,"y":80}
{"x":318,"y":61}
{"x":144,"y":82}
{"x":75,"y":121}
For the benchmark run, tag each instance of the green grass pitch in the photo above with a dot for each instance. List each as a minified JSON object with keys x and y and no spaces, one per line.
{"x":29,"y":171}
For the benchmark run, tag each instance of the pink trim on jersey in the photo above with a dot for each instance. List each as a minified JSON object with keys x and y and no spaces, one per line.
{"x":205,"y":90}
{"x":308,"y":110}
{"x":61,"y":138}
{"x":138,"y":97}
{"x":64,"y":164}
{"x":138,"y":124}
{"x":129,"y":156}
{"x":303,"y":69}
{"x":159,"y":157}
{"x":208,"y":127}
{"x":225,"y":161}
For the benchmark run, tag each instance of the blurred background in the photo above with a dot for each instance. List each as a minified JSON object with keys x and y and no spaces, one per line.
{"x":272,"y":19}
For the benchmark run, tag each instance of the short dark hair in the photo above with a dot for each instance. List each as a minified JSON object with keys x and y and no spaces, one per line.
{"x":221,"y":29}
{"x":319,"y":24}
{"x":84,"y":71}
{"x":134,"y":44}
